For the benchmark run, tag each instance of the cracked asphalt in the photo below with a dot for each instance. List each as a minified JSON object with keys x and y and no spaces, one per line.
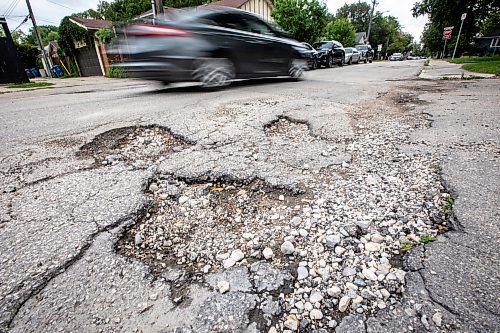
{"x":62,"y":214}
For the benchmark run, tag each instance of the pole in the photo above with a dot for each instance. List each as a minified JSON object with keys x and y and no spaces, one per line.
{"x":371,"y":18}
{"x":159,"y":7}
{"x":444,"y":48}
{"x":458,"y":38}
{"x":39,"y":39}
{"x":153,"y":5}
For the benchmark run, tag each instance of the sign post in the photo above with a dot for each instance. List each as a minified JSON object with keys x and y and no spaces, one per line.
{"x":446,"y":36}
{"x":464,"y":15}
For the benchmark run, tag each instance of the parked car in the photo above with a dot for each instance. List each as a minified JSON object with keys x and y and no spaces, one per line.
{"x":396,"y":57}
{"x":352,"y":55}
{"x":311,"y":56}
{"x":330,"y":53}
{"x":366,"y":52}
{"x":212,"y":46}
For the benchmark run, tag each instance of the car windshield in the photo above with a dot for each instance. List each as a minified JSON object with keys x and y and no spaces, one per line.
{"x":362,"y":47}
{"x":323,"y":45}
{"x":397,"y":54}
{"x":348,"y":50}
{"x":307,"y":45}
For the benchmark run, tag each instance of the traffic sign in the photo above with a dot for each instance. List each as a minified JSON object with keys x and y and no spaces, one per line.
{"x":464,"y":15}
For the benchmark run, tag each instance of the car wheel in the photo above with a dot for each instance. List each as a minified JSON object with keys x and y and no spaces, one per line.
{"x":297,"y":68}
{"x":329,"y":62}
{"x":366,"y":60}
{"x":341,"y":63}
{"x":315,"y":64}
{"x":370,"y":61}
{"x":213,"y":72}
{"x":350,"y":61}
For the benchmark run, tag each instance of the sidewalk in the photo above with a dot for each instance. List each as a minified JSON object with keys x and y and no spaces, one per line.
{"x":443,"y":70}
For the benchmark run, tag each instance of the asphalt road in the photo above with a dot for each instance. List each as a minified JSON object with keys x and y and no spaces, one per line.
{"x":61,"y":214}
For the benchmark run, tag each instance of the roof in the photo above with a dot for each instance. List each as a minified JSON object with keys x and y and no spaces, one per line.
{"x":229,"y":3}
{"x":91,"y":24}
{"x":360,"y":36}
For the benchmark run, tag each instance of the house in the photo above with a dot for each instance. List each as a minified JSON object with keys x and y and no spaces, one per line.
{"x":263,"y":8}
{"x":361,"y":38}
{"x":490,"y":42}
{"x":51,"y":52}
{"x":91,"y":59}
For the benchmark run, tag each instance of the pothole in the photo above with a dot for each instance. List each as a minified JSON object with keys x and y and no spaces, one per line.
{"x":290,"y":129}
{"x":137,"y":145}
{"x":205,"y":225}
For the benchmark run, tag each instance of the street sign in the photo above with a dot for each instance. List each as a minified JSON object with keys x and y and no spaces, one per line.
{"x":447,"y":33}
{"x":464,"y":15}
{"x":379,"y":47}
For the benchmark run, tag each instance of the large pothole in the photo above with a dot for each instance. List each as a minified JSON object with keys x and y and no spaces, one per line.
{"x":136,"y":145}
{"x":205,"y":225}
{"x":290,"y":129}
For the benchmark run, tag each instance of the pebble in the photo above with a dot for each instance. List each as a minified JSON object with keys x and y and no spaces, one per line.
{"x":315,"y":314}
{"x":268,"y":253}
{"x":292,"y":323}
{"x":437,"y":318}
{"x":348,"y":271}
{"x":237,"y":255}
{"x":223,"y":286}
{"x":287,"y":247}
{"x":315,"y":297}
{"x":369,"y":274}
{"x":138,"y":239}
{"x":229,"y":262}
{"x":344,"y":303}
{"x":334,"y":291}
{"x":339,"y":250}
{"x":183,"y":199}
{"x":332,"y":323}
{"x":302,"y":273}
{"x":372,"y":247}
{"x":332,"y":240}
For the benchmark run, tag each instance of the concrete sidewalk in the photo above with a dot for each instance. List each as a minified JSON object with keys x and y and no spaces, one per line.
{"x":443,"y":70}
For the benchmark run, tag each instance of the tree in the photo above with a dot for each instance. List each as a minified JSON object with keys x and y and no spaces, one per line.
{"x":305,"y":20}
{"x":444,"y":13}
{"x":402,"y":43}
{"x":121,"y":10}
{"x":358,"y":13}
{"x":341,"y":30}
{"x":47,"y":32}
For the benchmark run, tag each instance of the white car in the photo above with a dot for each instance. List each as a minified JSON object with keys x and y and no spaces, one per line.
{"x":352,"y":55}
{"x":396,"y":57}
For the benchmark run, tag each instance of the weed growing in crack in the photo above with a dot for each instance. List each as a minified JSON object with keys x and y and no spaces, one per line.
{"x":406,"y":246}
{"x":437,"y":168}
{"x":448,"y":206}
{"x":425,"y":239}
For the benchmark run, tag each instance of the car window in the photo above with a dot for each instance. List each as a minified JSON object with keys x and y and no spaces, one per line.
{"x":362,"y":47}
{"x":253,"y":24}
{"x":323,"y":45}
{"x":348,"y":50}
{"x":231,"y":21}
{"x":307,"y":45}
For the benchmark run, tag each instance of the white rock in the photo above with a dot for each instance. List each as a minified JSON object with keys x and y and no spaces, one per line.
{"x":302,"y":273}
{"x":303,"y":232}
{"x":369,"y":274}
{"x":287,"y":247}
{"x":272,"y":330}
{"x":332,"y":240}
{"x":437,"y":318}
{"x":332,"y":323}
{"x":344,"y":303}
{"x":315,"y":314}
{"x":339,"y":250}
{"x":308,"y":306}
{"x":138,"y":239}
{"x":221,"y":256}
{"x":372,"y":247}
{"x":237,"y":255}
{"x":229,"y":262}
{"x":315,"y":297}
{"x":292,"y":323}
{"x":333,"y":291}
{"x":348,"y":271}
{"x":223,"y":286}
{"x":183,"y":199}
{"x":377,"y":238}
{"x":281,"y":198}
{"x":268,"y":253}
{"x":299,"y":305}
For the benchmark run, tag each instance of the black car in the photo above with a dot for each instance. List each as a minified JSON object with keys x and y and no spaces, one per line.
{"x":210,"y":45}
{"x":366,"y":52}
{"x":312,"y":56}
{"x":330,"y":53}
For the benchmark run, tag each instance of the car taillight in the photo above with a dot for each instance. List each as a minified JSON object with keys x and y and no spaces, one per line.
{"x":148,"y":30}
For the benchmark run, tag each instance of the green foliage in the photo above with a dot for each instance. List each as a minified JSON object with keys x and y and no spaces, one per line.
{"x":69,"y":33}
{"x":305,"y":20}
{"x":185,"y":3}
{"x":448,"y":206}
{"x":444,"y":13}
{"x":105,"y":35}
{"x":358,"y":14}
{"x":473,"y":60}
{"x":489,"y":67}
{"x":47,"y":33}
{"x":406,"y":246}
{"x":341,"y":30}
{"x":28,"y":54}
{"x":31,"y":85}
{"x":424,"y":239}
{"x":116,"y":72}
{"x":401,"y":43}
{"x":122,"y":10}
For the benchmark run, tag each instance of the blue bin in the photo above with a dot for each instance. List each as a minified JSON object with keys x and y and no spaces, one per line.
{"x":35,"y":72}
{"x":29,"y":73}
{"x":57,"y":70}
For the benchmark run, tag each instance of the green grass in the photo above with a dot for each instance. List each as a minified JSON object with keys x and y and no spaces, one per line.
{"x":489,"y":67}
{"x":473,"y":60}
{"x":31,"y":85}
{"x":406,"y":246}
{"x":427,"y":239}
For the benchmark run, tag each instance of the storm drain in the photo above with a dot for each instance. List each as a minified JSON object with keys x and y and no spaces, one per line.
{"x":205,"y":225}
{"x":137,"y":145}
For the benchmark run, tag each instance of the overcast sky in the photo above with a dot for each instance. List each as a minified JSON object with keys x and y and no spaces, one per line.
{"x":52,"y":11}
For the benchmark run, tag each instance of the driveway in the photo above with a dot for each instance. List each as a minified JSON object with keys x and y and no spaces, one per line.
{"x":269,"y":206}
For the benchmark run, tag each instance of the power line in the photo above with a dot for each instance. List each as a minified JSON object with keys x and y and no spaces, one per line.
{"x":24,"y":21}
{"x":8,"y":6}
{"x":11,"y":9}
{"x":55,"y":3}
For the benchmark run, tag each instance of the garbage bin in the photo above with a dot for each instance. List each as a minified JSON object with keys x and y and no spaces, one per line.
{"x":29,"y":73}
{"x":35,"y":72}
{"x":57,"y":70}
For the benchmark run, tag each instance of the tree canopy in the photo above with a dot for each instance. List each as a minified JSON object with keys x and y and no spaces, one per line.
{"x":341,"y":30}
{"x":358,"y":14}
{"x":305,"y":20}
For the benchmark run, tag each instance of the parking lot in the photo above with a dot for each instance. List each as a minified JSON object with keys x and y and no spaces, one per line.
{"x":266,"y":206}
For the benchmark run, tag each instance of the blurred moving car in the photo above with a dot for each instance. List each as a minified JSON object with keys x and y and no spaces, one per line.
{"x":396,"y":57}
{"x":330,"y":53}
{"x":312,"y":56}
{"x":210,"y":45}
{"x":352,"y":55}
{"x":366,"y":52}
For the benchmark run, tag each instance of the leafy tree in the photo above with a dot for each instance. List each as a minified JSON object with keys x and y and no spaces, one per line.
{"x":358,"y":13}
{"x":443,"y":13}
{"x":122,"y":10}
{"x":305,"y":20}
{"x":46,"y":32}
{"x":341,"y":30}
{"x":105,"y":35}
{"x":402,"y":43}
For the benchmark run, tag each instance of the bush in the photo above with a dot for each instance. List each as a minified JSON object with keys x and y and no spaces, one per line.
{"x":116,"y":72}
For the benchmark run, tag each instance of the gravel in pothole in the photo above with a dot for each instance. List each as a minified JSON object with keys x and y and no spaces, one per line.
{"x":136,"y":145}
{"x":206,"y":226}
{"x":290,"y":129}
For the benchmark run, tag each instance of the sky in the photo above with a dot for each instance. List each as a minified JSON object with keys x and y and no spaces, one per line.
{"x":52,"y":11}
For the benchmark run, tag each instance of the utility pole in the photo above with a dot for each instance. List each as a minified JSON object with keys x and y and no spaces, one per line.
{"x":159,"y":7}
{"x":39,"y":40}
{"x":464,"y":15}
{"x":374,"y":3}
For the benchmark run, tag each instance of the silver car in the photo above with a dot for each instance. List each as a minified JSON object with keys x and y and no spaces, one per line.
{"x":352,"y":55}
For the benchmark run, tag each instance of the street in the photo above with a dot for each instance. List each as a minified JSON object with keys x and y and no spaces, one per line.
{"x":359,"y":199}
